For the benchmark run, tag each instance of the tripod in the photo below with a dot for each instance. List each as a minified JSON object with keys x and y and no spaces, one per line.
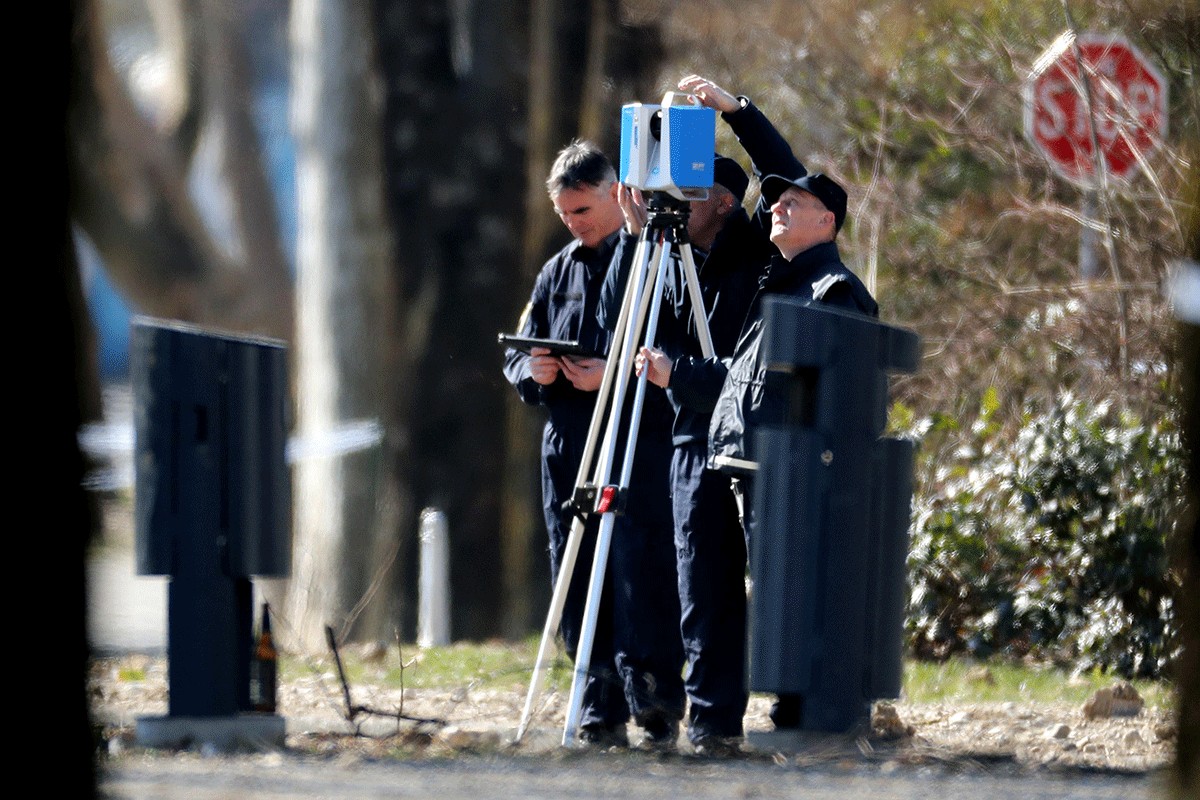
{"x":665,"y":232}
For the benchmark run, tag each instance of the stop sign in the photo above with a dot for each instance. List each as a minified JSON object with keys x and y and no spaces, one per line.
{"x":1128,"y":105}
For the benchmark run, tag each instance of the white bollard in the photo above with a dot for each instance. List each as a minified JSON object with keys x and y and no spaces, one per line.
{"x":434,"y":618}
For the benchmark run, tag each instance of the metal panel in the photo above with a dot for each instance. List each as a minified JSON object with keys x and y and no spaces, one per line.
{"x":831,"y":506}
{"x":212,"y":497}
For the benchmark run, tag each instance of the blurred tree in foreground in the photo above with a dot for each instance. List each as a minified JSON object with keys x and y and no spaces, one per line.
{"x":64,"y":403}
{"x":1186,"y":551}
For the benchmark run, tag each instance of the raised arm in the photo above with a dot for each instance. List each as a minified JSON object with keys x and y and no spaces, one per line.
{"x":769,"y":152}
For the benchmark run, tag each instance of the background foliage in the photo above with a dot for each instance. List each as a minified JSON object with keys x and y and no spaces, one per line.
{"x":1053,"y":544}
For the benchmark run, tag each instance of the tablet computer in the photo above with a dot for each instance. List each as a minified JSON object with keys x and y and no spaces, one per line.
{"x":557,"y":347}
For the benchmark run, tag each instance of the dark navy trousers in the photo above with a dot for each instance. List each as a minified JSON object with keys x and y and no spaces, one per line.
{"x":637,"y":654}
{"x":649,"y":650}
{"x":710,"y":552}
{"x":603,"y":693}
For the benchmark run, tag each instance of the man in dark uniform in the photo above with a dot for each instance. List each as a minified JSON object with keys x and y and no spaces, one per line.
{"x":803,"y":214}
{"x":710,"y":551}
{"x":806,"y":215}
{"x":582,"y":186}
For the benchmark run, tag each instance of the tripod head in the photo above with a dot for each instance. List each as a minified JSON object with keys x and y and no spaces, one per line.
{"x":665,"y":211}
{"x":665,"y":202}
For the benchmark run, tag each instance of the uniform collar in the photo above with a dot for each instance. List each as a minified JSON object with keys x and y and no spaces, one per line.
{"x":806,"y":261}
{"x":582,"y":252}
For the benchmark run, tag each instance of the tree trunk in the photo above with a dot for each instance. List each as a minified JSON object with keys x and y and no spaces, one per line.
{"x":480,"y":98}
{"x":129,"y":194}
{"x":455,"y":113}
{"x":345,"y":503}
{"x":569,"y":97}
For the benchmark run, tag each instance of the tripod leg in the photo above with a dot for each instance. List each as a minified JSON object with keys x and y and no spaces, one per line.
{"x":574,"y":539}
{"x":698,"y":314}
{"x":553,"y":618}
{"x":628,"y":349}
{"x":604,"y":396}
{"x":608,"y":520}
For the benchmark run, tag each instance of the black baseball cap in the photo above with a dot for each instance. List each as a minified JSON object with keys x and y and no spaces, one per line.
{"x":730,"y":174}
{"x":823,"y":187}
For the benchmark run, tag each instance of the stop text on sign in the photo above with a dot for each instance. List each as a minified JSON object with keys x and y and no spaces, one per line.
{"x":1127,"y":110}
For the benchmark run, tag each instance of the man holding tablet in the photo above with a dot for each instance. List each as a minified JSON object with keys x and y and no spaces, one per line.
{"x":562,"y":307}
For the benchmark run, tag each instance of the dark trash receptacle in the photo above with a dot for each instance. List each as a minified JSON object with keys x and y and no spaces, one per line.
{"x":832,"y":498}
{"x":212,"y":497}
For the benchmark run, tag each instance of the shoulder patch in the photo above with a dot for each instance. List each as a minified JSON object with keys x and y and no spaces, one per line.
{"x":524,"y":319}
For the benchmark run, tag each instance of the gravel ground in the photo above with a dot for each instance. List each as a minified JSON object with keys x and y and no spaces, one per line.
{"x":1005,"y":752}
{"x":1010,"y":751}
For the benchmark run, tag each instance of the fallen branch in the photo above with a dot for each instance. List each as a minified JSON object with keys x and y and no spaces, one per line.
{"x":353,"y":711}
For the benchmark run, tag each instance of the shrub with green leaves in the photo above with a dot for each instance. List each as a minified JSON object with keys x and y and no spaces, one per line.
{"x":1052,"y":543}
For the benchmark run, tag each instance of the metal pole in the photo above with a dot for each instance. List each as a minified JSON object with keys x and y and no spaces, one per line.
{"x":1089,"y":265}
{"x":434,"y":627}
{"x":693,"y":285}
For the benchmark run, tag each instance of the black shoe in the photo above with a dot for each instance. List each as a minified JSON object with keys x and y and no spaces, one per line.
{"x":662,"y":735}
{"x":712,"y":746}
{"x":786,"y":711}
{"x":604,"y":737}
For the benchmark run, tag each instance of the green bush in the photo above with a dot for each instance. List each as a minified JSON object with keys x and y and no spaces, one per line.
{"x":1051,"y":543}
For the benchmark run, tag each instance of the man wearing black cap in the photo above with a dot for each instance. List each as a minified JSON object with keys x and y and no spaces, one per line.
{"x":730,"y":249}
{"x":806,"y":215}
{"x":803,"y":214}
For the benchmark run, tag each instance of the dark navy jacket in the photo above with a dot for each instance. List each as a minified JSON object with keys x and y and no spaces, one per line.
{"x":562,"y":305}
{"x":750,"y":394}
{"x":728,"y":277}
